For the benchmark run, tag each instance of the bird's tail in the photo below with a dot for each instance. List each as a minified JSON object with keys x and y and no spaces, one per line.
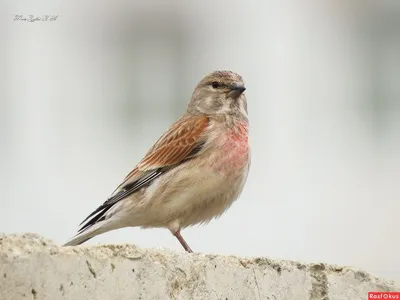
{"x":88,"y":233}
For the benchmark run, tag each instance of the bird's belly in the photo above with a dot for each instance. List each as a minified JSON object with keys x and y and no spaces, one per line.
{"x":201,"y":189}
{"x":226,"y":176}
{"x":215,"y":199}
{"x":192,"y":195}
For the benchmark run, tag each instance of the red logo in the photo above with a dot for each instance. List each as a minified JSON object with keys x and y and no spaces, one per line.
{"x":383,"y":295}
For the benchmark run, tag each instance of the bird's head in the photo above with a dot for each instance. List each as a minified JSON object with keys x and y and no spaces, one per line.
{"x":219,"y":93}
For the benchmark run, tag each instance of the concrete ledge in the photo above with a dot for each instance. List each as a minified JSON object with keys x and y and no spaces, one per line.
{"x":32,"y":267}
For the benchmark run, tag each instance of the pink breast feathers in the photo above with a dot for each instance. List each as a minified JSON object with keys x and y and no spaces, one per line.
{"x":235,"y":149}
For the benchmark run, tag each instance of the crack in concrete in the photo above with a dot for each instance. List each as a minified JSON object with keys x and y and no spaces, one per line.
{"x":91,"y":269}
{"x":258,"y":287}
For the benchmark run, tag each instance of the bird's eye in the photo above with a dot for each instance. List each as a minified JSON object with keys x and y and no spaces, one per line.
{"x":215,"y":84}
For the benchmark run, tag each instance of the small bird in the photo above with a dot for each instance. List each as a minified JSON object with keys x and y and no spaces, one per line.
{"x":192,"y":174}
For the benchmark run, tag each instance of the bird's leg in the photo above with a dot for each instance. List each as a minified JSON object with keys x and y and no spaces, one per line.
{"x":180,"y":238}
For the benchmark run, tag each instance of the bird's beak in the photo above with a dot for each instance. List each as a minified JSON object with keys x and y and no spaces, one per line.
{"x":236,"y":90}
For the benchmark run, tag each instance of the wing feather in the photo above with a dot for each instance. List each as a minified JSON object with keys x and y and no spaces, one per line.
{"x":183,"y":141}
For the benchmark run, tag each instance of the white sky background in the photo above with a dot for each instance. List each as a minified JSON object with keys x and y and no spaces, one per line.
{"x":83,"y":98}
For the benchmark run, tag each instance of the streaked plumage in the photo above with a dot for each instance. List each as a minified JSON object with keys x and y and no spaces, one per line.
{"x":193,"y":172}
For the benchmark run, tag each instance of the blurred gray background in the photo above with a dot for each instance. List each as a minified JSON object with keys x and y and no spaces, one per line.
{"x":83,"y":98}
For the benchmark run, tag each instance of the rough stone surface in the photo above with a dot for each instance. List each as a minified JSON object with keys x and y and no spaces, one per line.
{"x":32,"y":267}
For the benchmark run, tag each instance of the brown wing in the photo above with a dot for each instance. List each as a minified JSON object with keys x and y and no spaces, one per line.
{"x":181,"y":142}
{"x":176,"y":145}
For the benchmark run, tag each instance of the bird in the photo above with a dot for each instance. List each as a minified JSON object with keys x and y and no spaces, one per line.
{"x":193,"y":172}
